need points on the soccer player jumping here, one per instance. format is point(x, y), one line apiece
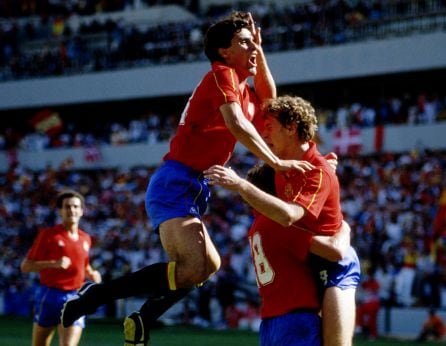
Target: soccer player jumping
point(220, 112)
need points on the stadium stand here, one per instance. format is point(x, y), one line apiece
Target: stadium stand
point(76, 41)
point(54, 128)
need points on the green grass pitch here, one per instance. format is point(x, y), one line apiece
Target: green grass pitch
point(17, 332)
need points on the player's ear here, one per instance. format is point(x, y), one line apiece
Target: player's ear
point(224, 53)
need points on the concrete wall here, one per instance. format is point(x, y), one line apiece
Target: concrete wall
point(415, 53)
point(404, 322)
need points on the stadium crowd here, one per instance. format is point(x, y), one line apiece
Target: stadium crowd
point(40, 38)
point(389, 200)
point(152, 127)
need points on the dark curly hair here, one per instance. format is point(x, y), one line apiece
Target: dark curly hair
point(220, 34)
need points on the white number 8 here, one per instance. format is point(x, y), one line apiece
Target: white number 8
point(264, 271)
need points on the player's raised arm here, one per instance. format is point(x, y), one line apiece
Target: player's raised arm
point(264, 83)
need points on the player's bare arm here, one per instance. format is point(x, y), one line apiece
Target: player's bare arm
point(332, 248)
point(245, 132)
point(93, 274)
point(272, 207)
point(28, 266)
point(264, 83)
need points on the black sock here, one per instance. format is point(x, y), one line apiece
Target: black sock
point(148, 280)
point(155, 306)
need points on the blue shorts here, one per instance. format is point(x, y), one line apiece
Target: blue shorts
point(343, 274)
point(175, 190)
point(48, 305)
point(292, 329)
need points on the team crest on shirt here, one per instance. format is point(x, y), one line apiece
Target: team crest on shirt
point(86, 246)
point(60, 243)
point(288, 190)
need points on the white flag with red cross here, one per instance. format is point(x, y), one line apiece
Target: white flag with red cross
point(347, 141)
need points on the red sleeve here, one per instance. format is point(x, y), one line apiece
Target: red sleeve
point(314, 191)
point(227, 83)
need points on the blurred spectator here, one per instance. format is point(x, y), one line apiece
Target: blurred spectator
point(385, 279)
point(427, 279)
point(405, 278)
point(433, 328)
point(368, 306)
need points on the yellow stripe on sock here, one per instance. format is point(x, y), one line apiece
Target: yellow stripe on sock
point(171, 275)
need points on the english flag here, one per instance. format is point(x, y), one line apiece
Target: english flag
point(379, 138)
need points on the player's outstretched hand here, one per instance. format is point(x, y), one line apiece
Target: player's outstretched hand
point(299, 165)
point(64, 262)
point(222, 176)
point(332, 159)
point(255, 30)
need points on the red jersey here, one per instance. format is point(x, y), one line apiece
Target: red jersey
point(317, 191)
point(202, 138)
point(53, 243)
point(284, 278)
point(436, 323)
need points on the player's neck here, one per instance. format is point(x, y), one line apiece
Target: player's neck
point(73, 230)
point(296, 151)
point(73, 235)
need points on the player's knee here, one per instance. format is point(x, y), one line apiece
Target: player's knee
point(214, 265)
point(209, 268)
point(196, 272)
point(194, 279)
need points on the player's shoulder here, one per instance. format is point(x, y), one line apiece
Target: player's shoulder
point(214, 79)
point(221, 72)
point(83, 234)
point(321, 164)
point(322, 174)
point(47, 233)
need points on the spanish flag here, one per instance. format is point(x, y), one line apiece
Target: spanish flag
point(48, 122)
